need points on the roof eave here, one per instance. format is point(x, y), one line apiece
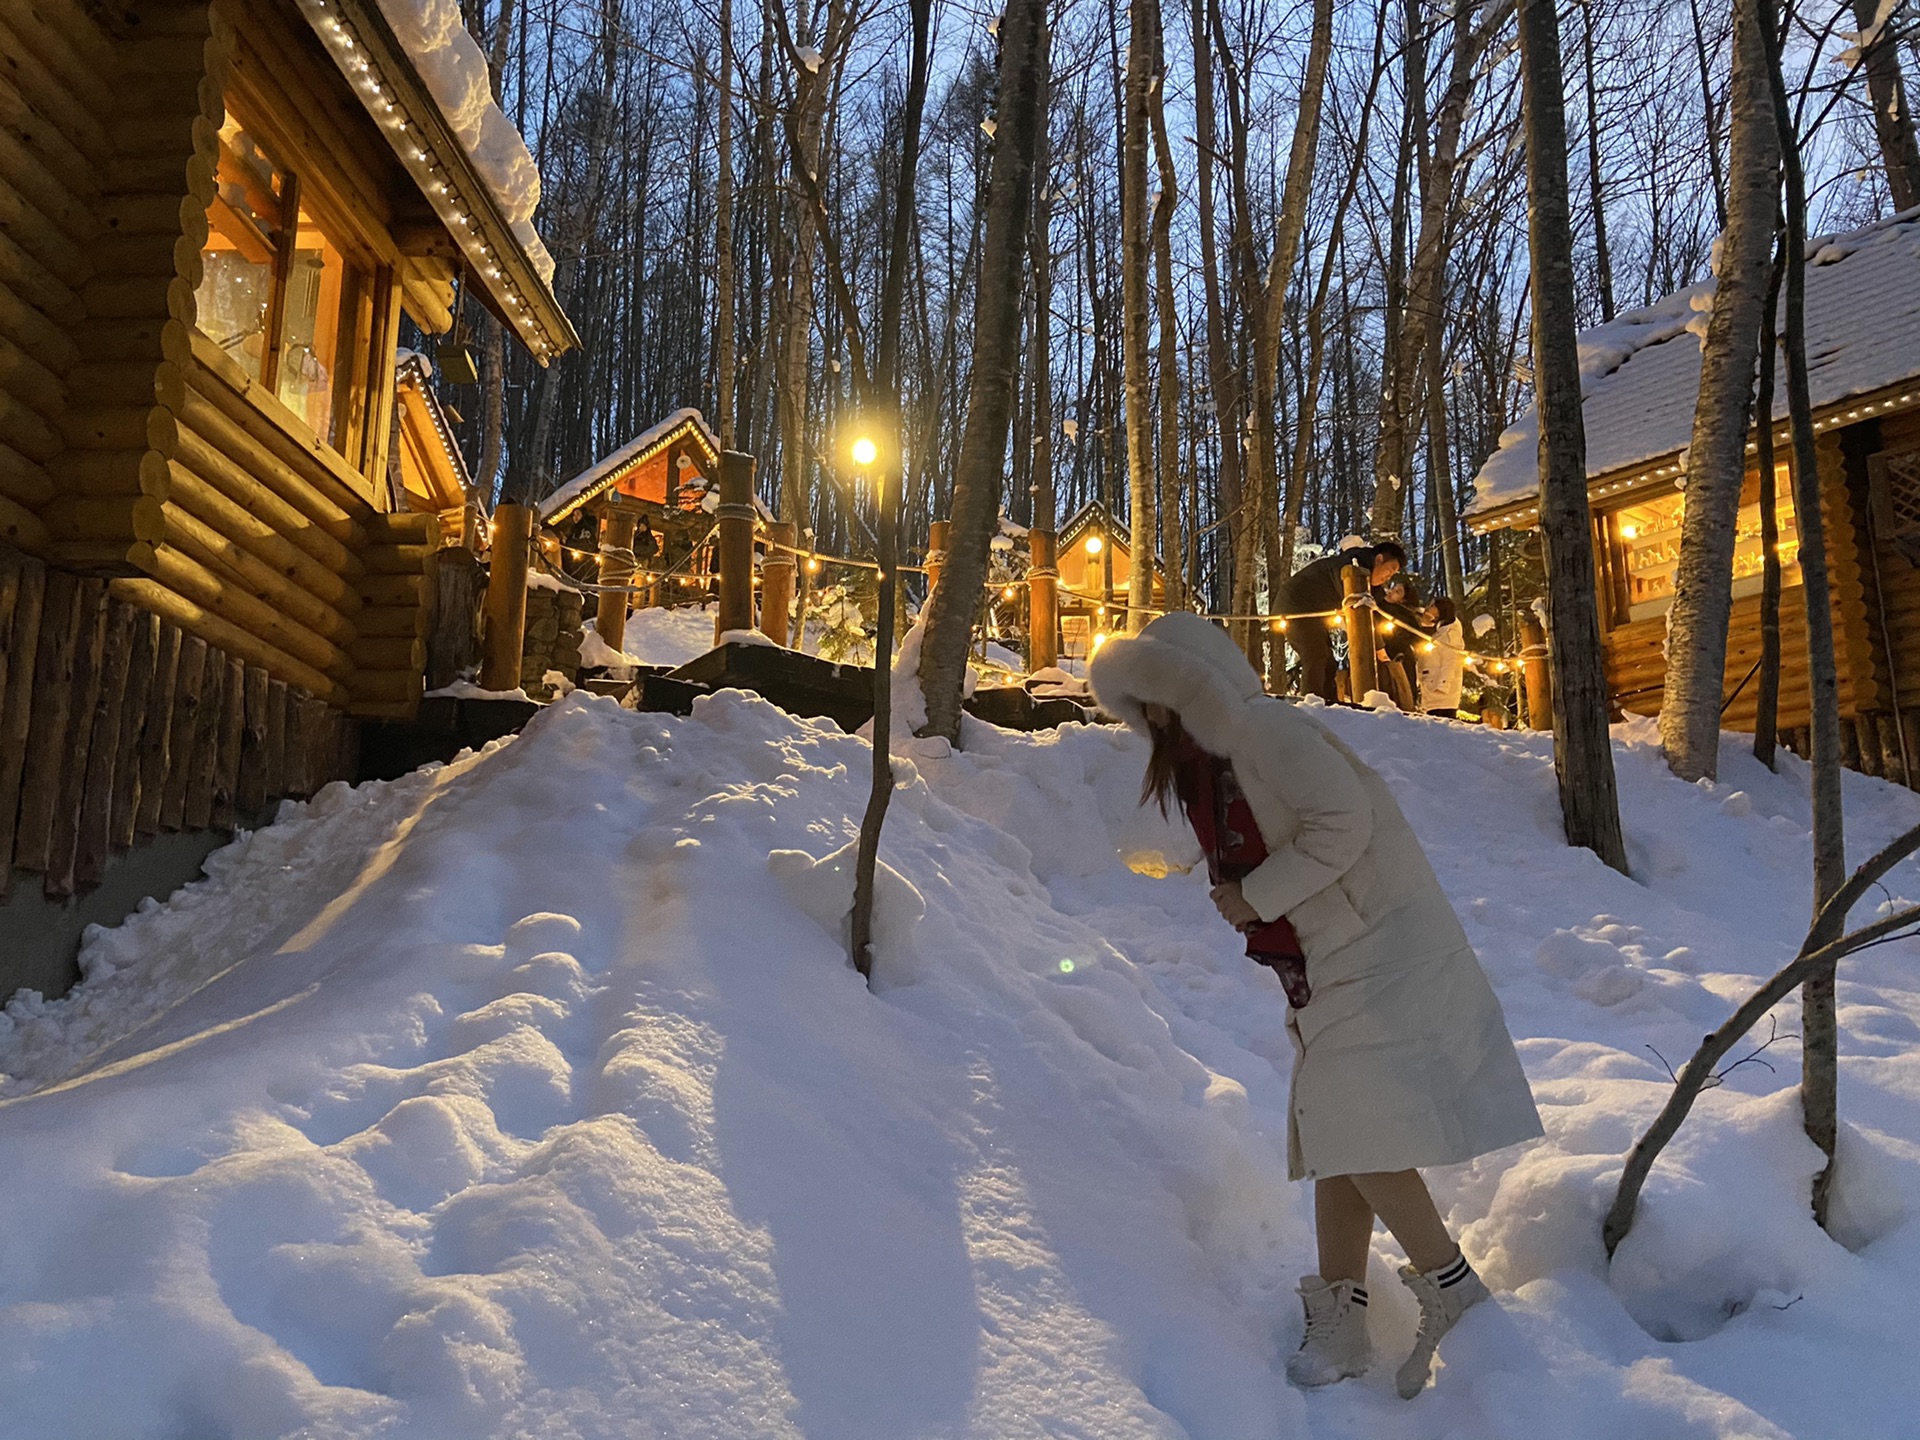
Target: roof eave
point(692, 426)
point(356, 35)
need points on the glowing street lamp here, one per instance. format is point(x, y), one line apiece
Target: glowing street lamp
point(1095, 544)
point(865, 452)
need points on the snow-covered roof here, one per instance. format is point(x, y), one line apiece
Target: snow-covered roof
point(421, 77)
point(687, 423)
point(1640, 372)
point(1094, 513)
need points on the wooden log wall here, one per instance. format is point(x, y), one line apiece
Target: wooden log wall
point(131, 448)
point(57, 86)
point(116, 725)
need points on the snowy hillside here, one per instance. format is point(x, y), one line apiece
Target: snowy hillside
point(523, 1097)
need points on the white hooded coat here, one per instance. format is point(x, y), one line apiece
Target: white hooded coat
point(1443, 669)
point(1402, 1057)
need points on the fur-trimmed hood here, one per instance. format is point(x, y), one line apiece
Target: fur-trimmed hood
point(1185, 663)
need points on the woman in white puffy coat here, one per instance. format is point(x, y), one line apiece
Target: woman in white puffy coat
point(1401, 1052)
point(1442, 661)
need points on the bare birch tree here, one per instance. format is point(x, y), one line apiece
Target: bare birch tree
point(1717, 455)
point(1819, 1024)
point(1892, 120)
point(980, 466)
point(1582, 748)
point(1134, 286)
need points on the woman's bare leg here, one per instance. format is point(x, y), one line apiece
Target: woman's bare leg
point(1343, 1227)
point(1401, 1199)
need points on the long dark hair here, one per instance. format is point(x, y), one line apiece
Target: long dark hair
point(1162, 782)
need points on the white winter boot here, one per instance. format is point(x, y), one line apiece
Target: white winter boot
point(1444, 1295)
point(1336, 1345)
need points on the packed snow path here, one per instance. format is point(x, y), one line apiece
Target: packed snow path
point(523, 1097)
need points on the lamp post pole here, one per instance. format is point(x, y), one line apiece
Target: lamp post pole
point(860, 937)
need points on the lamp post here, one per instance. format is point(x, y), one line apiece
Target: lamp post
point(866, 453)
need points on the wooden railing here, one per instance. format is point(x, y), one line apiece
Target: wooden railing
point(116, 724)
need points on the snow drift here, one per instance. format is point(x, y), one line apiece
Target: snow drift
point(533, 1094)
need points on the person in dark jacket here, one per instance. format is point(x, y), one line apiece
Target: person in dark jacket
point(1314, 589)
point(1398, 614)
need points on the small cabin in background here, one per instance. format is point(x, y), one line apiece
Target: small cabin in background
point(213, 215)
point(1095, 560)
point(1641, 376)
point(638, 518)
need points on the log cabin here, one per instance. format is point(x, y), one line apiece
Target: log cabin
point(1640, 380)
point(213, 216)
point(639, 517)
point(1095, 561)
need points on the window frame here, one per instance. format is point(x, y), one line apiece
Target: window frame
point(371, 320)
point(1617, 574)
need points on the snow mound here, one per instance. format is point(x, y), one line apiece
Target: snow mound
point(534, 1094)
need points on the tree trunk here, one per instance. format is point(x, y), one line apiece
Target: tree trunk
point(1711, 120)
point(996, 340)
point(1223, 375)
point(1294, 502)
point(493, 348)
point(1270, 317)
point(1767, 697)
point(1440, 469)
point(1134, 252)
point(1717, 454)
point(723, 350)
point(1040, 255)
point(1892, 121)
point(1390, 467)
point(1820, 1041)
point(1582, 750)
point(887, 381)
point(1172, 537)
point(1602, 255)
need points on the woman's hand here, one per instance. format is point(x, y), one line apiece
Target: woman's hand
point(1233, 906)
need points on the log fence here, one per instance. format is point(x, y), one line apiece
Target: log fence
point(116, 725)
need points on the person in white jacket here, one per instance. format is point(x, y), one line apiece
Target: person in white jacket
point(1442, 661)
point(1401, 1053)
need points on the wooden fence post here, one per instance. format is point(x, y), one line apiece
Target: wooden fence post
point(1361, 675)
point(1539, 675)
point(506, 599)
point(617, 527)
point(157, 740)
point(459, 590)
point(1043, 613)
point(938, 533)
point(776, 582)
point(735, 545)
point(23, 586)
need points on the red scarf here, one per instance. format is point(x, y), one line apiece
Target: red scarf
point(1230, 837)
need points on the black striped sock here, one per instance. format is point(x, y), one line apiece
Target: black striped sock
point(1454, 1273)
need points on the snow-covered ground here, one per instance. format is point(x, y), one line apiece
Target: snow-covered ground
point(522, 1096)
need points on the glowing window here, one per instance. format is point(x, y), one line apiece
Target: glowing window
point(277, 292)
point(1649, 536)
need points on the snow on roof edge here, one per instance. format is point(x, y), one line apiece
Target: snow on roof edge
point(585, 482)
point(456, 74)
